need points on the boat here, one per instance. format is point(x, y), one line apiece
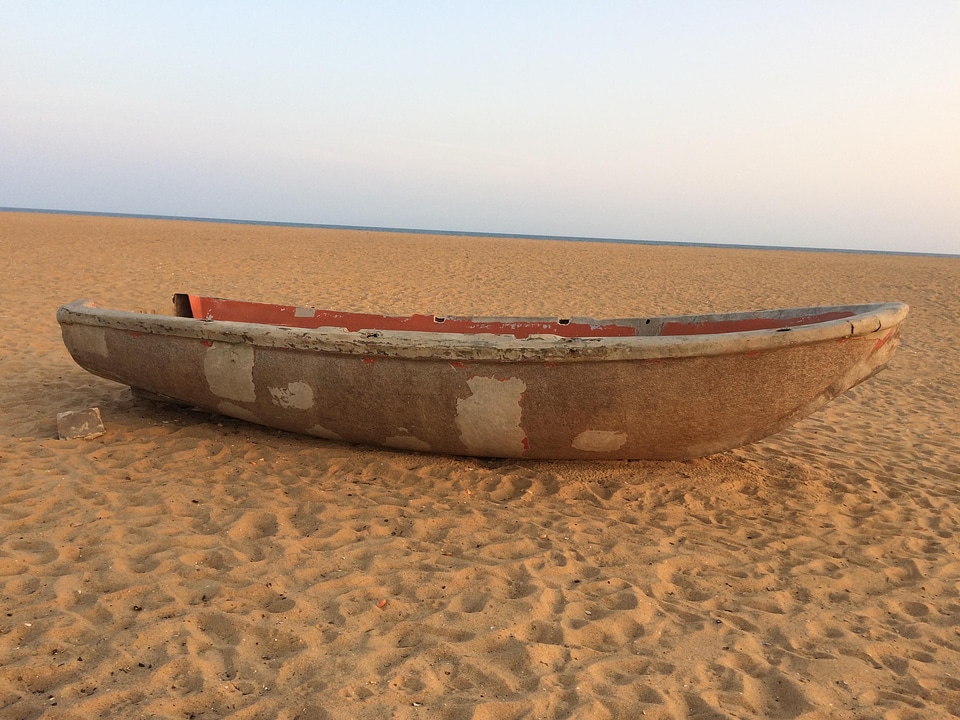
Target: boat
point(644, 388)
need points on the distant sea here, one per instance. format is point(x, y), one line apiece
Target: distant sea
point(466, 233)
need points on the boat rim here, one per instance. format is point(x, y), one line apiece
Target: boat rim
point(868, 319)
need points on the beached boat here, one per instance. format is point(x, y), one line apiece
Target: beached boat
point(642, 388)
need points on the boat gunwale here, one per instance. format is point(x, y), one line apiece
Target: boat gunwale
point(868, 319)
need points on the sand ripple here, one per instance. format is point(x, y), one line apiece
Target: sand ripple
point(186, 565)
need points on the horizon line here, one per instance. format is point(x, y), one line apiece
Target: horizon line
point(461, 233)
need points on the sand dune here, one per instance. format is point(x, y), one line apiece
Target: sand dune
point(188, 565)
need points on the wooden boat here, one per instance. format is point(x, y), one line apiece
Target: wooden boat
point(641, 388)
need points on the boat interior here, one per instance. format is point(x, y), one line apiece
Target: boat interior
point(221, 309)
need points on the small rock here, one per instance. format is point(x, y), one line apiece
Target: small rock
point(80, 424)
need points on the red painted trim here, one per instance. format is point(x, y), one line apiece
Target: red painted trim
point(206, 308)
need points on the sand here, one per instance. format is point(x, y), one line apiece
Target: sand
point(185, 565)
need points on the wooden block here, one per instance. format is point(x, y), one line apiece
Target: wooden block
point(80, 424)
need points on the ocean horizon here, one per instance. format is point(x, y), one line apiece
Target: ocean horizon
point(467, 233)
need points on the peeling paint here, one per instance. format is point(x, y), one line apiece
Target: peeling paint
point(489, 420)
point(296, 395)
point(600, 440)
point(883, 341)
point(228, 368)
point(407, 442)
point(90, 339)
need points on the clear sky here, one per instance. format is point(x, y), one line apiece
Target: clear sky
point(820, 124)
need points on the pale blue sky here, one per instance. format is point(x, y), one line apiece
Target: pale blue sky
point(819, 124)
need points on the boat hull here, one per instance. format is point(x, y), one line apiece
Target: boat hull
point(651, 398)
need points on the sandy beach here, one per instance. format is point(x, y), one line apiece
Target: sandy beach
point(185, 565)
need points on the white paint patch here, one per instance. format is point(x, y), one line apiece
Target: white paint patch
point(228, 368)
point(304, 312)
point(228, 408)
point(407, 442)
point(296, 395)
point(600, 440)
point(489, 420)
point(321, 432)
point(90, 340)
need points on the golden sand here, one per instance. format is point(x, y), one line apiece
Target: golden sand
point(187, 565)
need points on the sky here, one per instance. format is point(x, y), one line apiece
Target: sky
point(811, 124)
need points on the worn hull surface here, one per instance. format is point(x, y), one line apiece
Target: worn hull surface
point(678, 388)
